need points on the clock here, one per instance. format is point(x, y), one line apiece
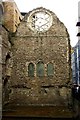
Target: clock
point(40, 20)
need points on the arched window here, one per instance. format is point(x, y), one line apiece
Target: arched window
point(40, 69)
point(31, 70)
point(50, 69)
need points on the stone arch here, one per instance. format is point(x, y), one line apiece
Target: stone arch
point(40, 69)
point(50, 69)
point(31, 69)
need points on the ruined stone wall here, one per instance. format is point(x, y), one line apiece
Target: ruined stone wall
point(1, 12)
point(6, 46)
point(10, 19)
point(12, 16)
point(52, 46)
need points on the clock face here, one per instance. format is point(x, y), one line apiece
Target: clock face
point(40, 21)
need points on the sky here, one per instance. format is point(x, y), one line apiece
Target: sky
point(66, 11)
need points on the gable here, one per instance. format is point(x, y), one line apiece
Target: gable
point(56, 27)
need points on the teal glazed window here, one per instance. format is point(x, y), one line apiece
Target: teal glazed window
point(40, 69)
point(50, 69)
point(31, 70)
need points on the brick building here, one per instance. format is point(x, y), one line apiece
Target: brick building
point(38, 70)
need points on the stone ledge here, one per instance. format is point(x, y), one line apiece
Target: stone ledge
point(37, 111)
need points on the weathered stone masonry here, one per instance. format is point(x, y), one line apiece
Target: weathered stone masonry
point(52, 46)
point(10, 18)
point(6, 48)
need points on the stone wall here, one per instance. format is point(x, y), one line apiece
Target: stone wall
point(10, 19)
point(1, 12)
point(52, 46)
point(6, 46)
point(12, 16)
